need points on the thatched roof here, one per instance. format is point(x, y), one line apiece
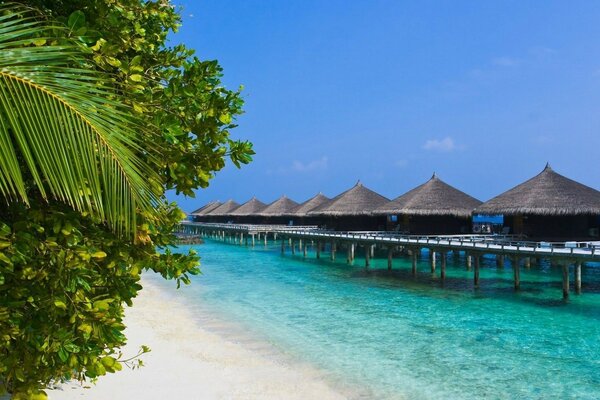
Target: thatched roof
point(358, 200)
point(251, 207)
point(310, 205)
point(224, 209)
point(206, 208)
point(547, 193)
point(434, 197)
point(280, 207)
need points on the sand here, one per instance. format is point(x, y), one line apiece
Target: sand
point(189, 361)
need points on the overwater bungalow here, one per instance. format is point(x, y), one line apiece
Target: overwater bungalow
point(279, 212)
point(431, 208)
point(301, 216)
point(199, 215)
point(248, 213)
point(352, 210)
point(548, 206)
point(222, 213)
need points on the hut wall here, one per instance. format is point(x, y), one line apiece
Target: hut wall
point(431, 225)
point(356, 223)
point(548, 227)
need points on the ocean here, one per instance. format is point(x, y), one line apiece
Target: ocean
point(396, 336)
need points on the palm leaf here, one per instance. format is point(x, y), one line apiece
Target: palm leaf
point(63, 128)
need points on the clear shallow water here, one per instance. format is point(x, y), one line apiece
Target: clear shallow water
point(401, 337)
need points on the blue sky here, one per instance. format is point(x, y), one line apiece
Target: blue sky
point(483, 93)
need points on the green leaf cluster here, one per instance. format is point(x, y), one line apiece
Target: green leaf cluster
point(100, 118)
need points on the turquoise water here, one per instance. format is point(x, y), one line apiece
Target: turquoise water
point(399, 337)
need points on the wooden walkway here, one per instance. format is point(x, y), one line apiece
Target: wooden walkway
point(474, 247)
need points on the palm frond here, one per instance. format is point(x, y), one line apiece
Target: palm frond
point(62, 126)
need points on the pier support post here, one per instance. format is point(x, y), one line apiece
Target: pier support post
point(349, 250)
point(318, 249)
point(293, 245)
point(565, 280)
point(469, 261)
point(367, 255)
point(578, 277)
point(333, 250)
point(500, 260)
point(304, 249)
point(282, 246)
point(253, 242)
point(443, 275)
point(414, 262)
point(372, 250)
point(476, 271)
point(517, 272)
point(432, 259)
point(527, 262)
point(390, 255)
point(266, 239)
point(352, 251)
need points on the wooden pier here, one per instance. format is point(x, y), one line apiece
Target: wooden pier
point(515, 249)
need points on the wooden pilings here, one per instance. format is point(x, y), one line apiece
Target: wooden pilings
point(476, 270)
point(318, 249)
point(432, 259)
point(516, 272)
point(367, 256)
point(414, 262)
point(390, 255)
point(443, 272)
point(565, 280)
point(578, 277)
point(350, 255)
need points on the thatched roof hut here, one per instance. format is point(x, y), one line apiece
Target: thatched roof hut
point(205, 208)
point(283, 206)
point(250, 208)
point(224, 209)
point(358, 200)
point(434, 197)
point(547, 193)
point(311, 204)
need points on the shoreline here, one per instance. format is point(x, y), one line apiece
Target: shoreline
point(189, 360)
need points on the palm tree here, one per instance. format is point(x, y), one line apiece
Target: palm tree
point(64, 133)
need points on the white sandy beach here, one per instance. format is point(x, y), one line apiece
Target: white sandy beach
point(190, 362)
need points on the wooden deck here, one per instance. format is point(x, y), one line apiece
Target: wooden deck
point(474, 246)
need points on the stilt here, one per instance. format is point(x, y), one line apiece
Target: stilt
point(352, 251)
point(333, 250)
point(527, 262)
point(432, 259)
point(578, 277)
point(318, 249)
point(293, 246)
point(304, 249)
point(246, 241)
point(500, 260)
point(266, 239)
point(367, 256)
point(253, 242)
point(372, 250)
point(476, 271)
point(469, 261)
point(414, 262)
point(390, 255)
point(443, 254)
point(282, 246)
point(517, 272)
point(565, 280)
point(349, 253)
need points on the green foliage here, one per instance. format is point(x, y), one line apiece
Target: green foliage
point(83, 150)
point(65, 271)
